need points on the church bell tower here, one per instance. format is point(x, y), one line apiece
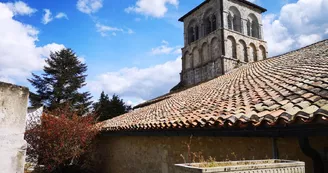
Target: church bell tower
point(219, 36)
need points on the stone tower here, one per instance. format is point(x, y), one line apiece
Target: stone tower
point(220, 35)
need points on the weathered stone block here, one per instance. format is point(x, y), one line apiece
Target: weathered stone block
point(13, 108)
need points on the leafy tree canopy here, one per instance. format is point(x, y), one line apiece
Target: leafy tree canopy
point(63, 77)
point(107, 108)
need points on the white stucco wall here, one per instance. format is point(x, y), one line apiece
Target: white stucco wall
point(13, 106)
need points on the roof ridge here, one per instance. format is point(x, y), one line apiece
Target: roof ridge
point(275, 91)
point(298, 49)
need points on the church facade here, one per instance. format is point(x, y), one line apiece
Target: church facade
point(219, 36)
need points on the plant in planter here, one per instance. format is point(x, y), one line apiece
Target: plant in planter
point(250, 166)
point(269, 166)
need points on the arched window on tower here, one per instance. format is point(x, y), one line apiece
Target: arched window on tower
point(263, 52)
point(248, 27)
point(196, 32)
point(210, 24)
point(191, 33)
point(235, 19)
point(243, 50)
point(253, 52)
point(255, 29)
point(230, 21)
point(213, 23)
point(207, 28)
point(231, 47)
point(254, 26)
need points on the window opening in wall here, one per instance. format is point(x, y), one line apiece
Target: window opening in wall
point(263, 52)
point(254, 52)
point(253, 27)
point(210, 24)
point(213, 23)
point(235, 19)
point(191, 34)
point(233, 48)
point(196, 33)
point(248, 28)
point(230, 21)
point(244, 50)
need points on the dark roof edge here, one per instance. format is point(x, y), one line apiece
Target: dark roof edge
point(280, 131)
point(206, 1)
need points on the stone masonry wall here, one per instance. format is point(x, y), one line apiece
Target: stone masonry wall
point(159, 154)
point(204, 59)
point(13, 107)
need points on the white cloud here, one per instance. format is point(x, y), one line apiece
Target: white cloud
point(81, 59)
point(61, 15)
point(326, 32)
point(304, 40)
point(165, 49)
point(154, 8)
point(277, 36)
point(20, 8)
point(134, 101)
point(298, 24)
point(47, 17)
point(19, 55)
point(130, 31)
point(89, 6)
point(141, 84)
point(105, 29)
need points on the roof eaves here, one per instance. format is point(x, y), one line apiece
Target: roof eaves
point(206, 1)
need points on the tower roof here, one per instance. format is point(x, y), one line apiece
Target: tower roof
point(206, 1)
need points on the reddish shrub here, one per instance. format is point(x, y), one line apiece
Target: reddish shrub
point(60, 139)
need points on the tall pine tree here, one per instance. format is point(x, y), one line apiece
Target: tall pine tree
point(63, 76)
point(107, 108)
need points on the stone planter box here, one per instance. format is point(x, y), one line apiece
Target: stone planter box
point(252, 166)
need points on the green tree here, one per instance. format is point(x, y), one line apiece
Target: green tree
point(63, 76)
point(107, 108)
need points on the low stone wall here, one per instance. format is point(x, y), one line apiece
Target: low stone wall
point(159, 154)
point(13, 107)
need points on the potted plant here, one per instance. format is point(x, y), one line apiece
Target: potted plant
point(252, 166)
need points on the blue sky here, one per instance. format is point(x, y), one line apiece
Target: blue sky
point(131, 47)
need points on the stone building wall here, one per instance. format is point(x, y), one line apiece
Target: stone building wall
point(242, 49)
point(13, 107)
point(245, 10)
point(203, 57)
point(198, 17)
point(142, 154)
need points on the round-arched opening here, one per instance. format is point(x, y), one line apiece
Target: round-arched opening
point(234, 19)
point(263, 52)
point(243, 50)
point(253, 27)
point(193, 31)
point(253, 53)
point(231, 47)
point(209, 21)
point(205, 55)
point(187, 61)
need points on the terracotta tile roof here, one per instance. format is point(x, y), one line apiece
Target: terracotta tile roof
point(287, 89)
